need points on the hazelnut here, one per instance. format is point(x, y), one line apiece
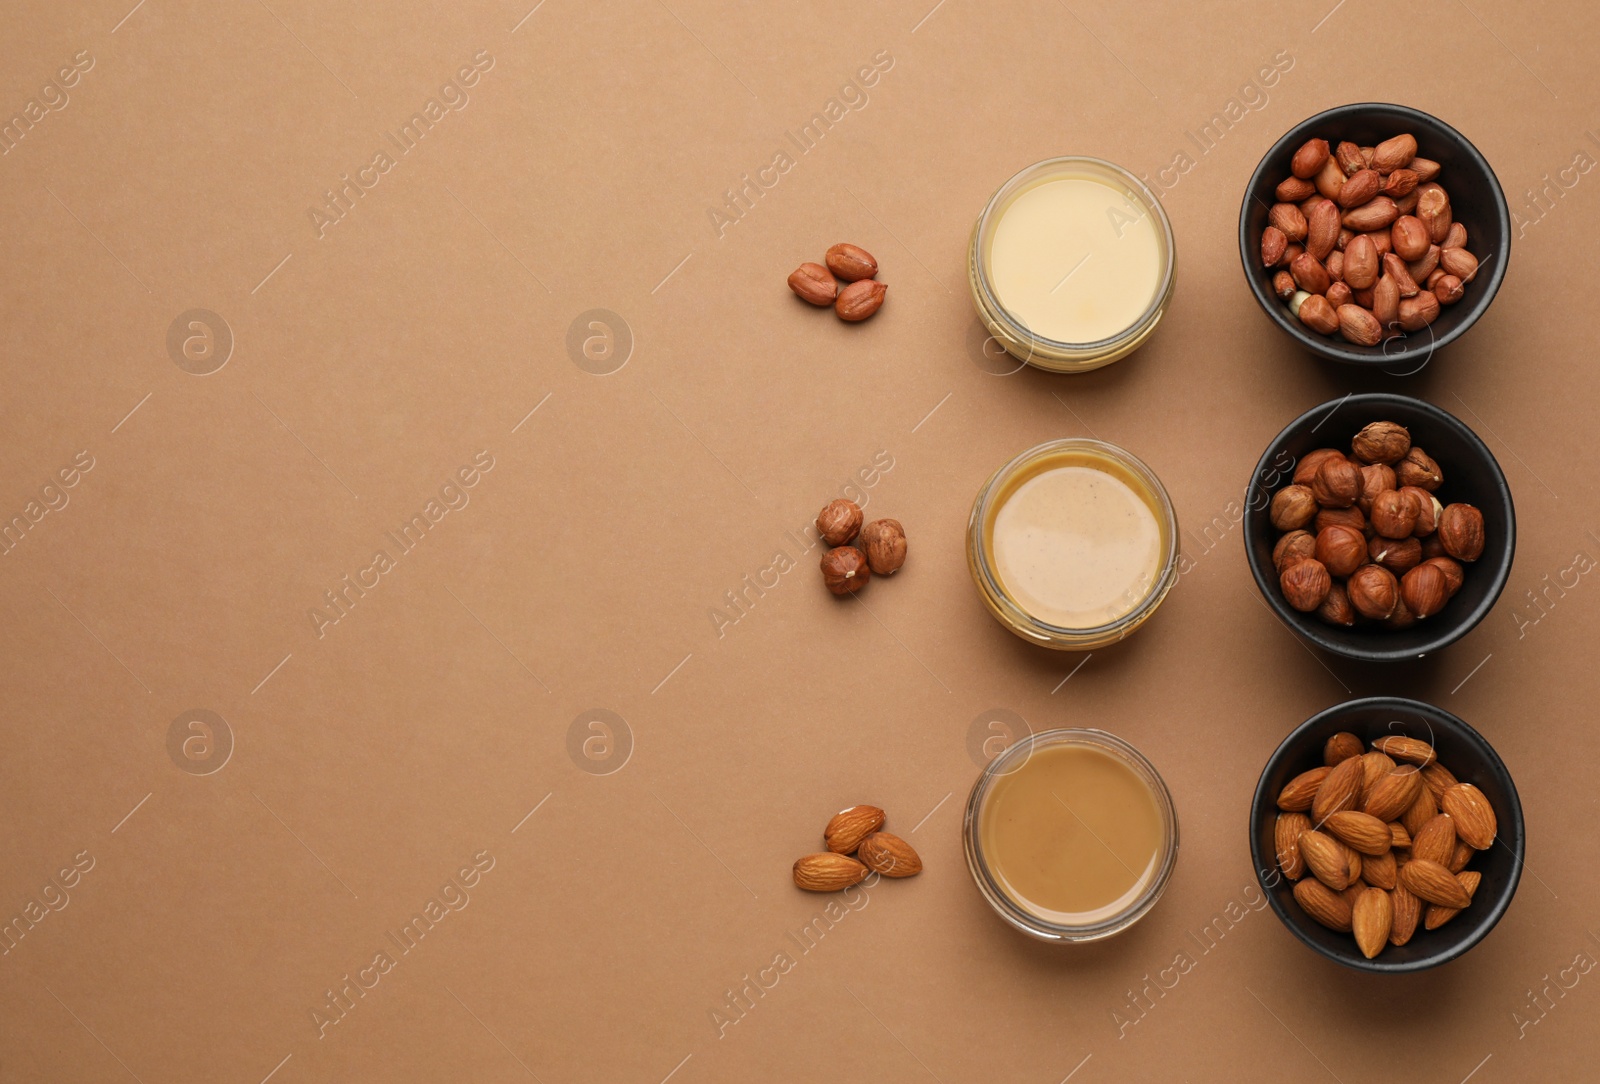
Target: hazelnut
point(1424, 590)
point(1305, 584)
point(1428, 510)
point(1432, 547)
point(1381, 442)
point(839, 521)
point(1339, 517)
point(1341, 550)
point(1454, 574)
point(1306, 469)
point(1418, 469)
point(1294, 546)
point(1336, 610)
point(1394, 513)
point(1374, 592)
point(1337, 482)
point(1402, 618)
point(1398, 555)
point(845, 570)
point(1375, 478)
point(1461, 532)
point(1292, 508)
point(885, 543)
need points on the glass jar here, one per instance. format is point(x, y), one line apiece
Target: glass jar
point(1136, 249)
point(986, 867)
point(1140, 596)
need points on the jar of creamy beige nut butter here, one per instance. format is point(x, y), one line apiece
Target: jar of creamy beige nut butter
point(1073, 544)
point(1071, 264)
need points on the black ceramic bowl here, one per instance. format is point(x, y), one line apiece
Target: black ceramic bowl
point(1476, 201)
point(1471, 475)
point(1469, 758)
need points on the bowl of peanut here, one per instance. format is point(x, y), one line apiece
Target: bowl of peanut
point(1374, 234)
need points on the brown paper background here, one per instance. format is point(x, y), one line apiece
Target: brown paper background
point(369, 364)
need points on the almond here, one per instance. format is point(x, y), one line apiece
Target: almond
point(1425, 808)
point(889, 855)
point(1433, 883)
point(1399, 836)
point(860, 300)
point(1296, 796)
point(1377, 213)
point(814, 283)
point(1309, 158)
point(1322, 229)
point(1341, 746)
point(1286, 842)
point(1393, 794)
point(1435, 840)
point(1361, 831)
point(1323, 904)
point(1474, 816)
point(1407, 910)
point(849, 827)
point(1437, 916)
point(1395, 153)
point(1380, 870)
point(1438, 778)
point(1340, 790)
point(828, 872)
point(1463, 855)
point(851, 262)
point(1375, 765)
point(1371, 920)
point(1359, 326)
point(1359, 188)
point(1410, 750)
point(1327, 859)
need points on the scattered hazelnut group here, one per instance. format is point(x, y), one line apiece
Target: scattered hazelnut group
point(856, 832)
point(862, 295)
point(1380, 840)
point(1364, 241)
point(879, 547)
point(1364, 536)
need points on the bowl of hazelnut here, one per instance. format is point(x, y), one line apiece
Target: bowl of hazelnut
point(1387, 835)
point(1379, 527)
point(1374, 234)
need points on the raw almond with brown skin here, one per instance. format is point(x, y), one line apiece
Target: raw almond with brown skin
point(1327, 859)
point(1323, 904)
point(1371, 920)
point(1437, 916)
point(1341, 790)
point(1379, 870)
point(1340, 747)
point(814, 283)
point(1435, 840)
point(1297, 794)
point(859, 300)
point(1375, 766)
point(828, 872)
point(851, 262)
point(1361, 831)
point(849, 827)
point(1286, 843)
point(1421, 811)
point(1438, 778)
point(1409, 749)
point(1463, 855)
point(1474, 816)
point(1407, 912)
point(1393, 794)
point(1433, 883)
point(889, 855)
point(1399, 837)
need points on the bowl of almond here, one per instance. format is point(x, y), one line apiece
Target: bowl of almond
point(1387, 835)
point(1379, 527)
point(1374, 234)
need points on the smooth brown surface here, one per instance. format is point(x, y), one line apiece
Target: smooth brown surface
point(443, 716)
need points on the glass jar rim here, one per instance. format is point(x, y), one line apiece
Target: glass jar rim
point(1003, 902)
point(989, 218)
point(1165, 514)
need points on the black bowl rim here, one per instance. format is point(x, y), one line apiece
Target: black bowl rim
point(1303, 625)
point(1511, 823)
point(1334, 349)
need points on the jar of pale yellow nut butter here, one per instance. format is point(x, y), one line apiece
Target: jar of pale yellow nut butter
point(1073, 544)
point(1071, 264)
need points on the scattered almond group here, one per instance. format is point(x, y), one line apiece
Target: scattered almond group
point(862, 294)
point(857, 846)
point(858, 552)
point(1364, 241)
point(1385, 844)
point(1365, 538)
